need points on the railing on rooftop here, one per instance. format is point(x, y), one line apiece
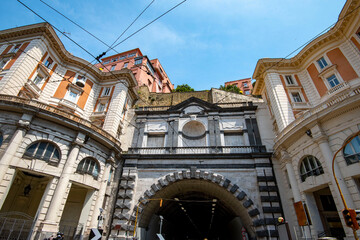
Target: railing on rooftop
point(60, 112)
point(198, 150)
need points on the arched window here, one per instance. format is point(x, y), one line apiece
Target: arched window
point(352, 151)
point(89, 166)
point(310, 166)
point(43, 150)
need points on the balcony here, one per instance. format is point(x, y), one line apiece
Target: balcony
point(66, 103)
point(97, 115)
point(199, 150)
point(338, 88)
point(33, 88)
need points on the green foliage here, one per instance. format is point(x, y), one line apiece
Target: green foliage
point(183, 88)
point(231, 88)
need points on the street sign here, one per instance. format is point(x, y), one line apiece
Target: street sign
point(160, 236)
point(95, 234)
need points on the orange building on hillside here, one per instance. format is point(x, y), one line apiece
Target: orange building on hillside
point(147, 72)
point(244, 84)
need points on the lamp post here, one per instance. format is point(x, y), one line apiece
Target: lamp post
point(337, 183)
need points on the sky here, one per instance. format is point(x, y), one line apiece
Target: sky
point(202, 43)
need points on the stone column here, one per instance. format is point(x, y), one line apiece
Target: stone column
point(293, 182)
point(50, 223)
point(101, 192)
point(14, 144)
point(322, 140)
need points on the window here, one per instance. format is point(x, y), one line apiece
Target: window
point(43, 150)
point(138, 61)
point(3, 62)
point(114, 59)
point(247, 92)
point(15, 49)
point(333, 81)
point(48, 62)
point(322, 63)
point(71, 96)
point(122, 57)
point(101, 107)
point(289, 80)
point(125, 65)
point(132, 55)
point(107, 61)
point(107, 91)
point(150, 68)
point(245, 84)
point(88, 166)
point(352, 151)
point(296, 97)
point(155, 140)
point(38, 79)
point(1, 139)
point(112, 67)
point(310, 166)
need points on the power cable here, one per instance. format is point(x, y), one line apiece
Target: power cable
point(78, 25)
point(130, 25)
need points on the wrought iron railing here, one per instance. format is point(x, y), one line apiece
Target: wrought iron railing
point(198, 150)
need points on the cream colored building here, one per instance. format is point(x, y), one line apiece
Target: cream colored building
point(61, 123)
point(314, 101)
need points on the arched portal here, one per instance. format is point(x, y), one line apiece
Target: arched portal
point(196, 205)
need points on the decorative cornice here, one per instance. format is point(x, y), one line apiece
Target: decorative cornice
point(45, 30)
point(337, 32)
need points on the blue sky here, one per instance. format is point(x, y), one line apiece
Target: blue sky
point(203, 43)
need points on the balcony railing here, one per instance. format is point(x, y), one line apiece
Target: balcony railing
point(341, 86)
point(198, 150)
point(313, 111)
point(60, 112)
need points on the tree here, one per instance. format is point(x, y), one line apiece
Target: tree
point(231, 88)
point(183, 88)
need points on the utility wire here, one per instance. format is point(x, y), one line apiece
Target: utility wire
point(78, 26)
point(130, 25)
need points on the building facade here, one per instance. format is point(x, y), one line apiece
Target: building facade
point(245, 85)
point(314, 101)
point(147, 72)
point(199, 165)
point(61, 123)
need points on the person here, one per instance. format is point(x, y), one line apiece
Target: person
point(59, 236)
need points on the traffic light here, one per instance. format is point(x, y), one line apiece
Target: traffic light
point(350, 218)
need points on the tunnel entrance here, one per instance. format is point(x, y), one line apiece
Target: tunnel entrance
point(194, 209)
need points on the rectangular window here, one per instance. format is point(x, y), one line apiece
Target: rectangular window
point(112, 67)
point(48, 62)
point(150, 68)
point(107, 61)
point(101, 107)
point(114, 59)
point(296, 97)
point(132, 55)
point(138, 61)
point(122, 57)
point(3, 62)
point(289, 80)
point(245, 84)
point(38, 79)
point(125, 65)
point(71, 96)
point(155, 140)
point(247, 92)
point(333, 81)
point(107, 91)
point(322, 62)
point(15, 49)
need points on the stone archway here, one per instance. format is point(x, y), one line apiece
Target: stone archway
point(232, 201)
